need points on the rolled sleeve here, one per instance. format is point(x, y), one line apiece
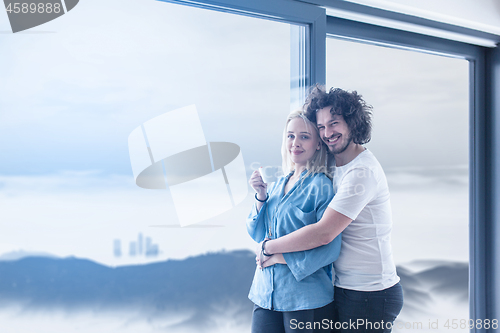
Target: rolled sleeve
point(256, 224)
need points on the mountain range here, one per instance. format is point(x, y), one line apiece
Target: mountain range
point(197, 286)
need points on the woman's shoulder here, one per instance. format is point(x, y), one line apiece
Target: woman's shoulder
point(320, 177)
point(320, 181)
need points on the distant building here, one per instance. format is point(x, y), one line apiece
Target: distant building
point(152, 250)
point(132, 249)
point(139, 244)
point(117, 248)
point(143, 246)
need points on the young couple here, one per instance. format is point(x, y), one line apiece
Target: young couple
point(332, 206)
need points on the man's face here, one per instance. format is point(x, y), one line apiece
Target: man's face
point(333, 130)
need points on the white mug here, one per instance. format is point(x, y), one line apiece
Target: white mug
point(270, 174)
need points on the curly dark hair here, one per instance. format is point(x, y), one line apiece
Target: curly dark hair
point(350, 105)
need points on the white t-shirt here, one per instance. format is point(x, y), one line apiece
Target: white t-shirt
point(361, 193)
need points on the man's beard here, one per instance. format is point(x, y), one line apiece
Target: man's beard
point(341, 149)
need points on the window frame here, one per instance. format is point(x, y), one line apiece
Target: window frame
point(484, 111)
point(287, 11)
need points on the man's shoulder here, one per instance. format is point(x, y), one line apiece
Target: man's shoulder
point(371, 163)
point(367, 159)
point(365, 162)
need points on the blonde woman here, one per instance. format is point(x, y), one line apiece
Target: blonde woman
point(295, 293)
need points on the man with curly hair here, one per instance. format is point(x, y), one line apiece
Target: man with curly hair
point(368, 296)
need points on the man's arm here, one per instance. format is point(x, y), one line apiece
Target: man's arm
point(357, 189)
point(310, 236)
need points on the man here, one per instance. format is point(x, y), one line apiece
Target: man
point(368, 296)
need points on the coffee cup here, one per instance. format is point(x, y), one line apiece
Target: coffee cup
point(270, 174)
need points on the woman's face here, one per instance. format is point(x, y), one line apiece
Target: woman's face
point(302, 141)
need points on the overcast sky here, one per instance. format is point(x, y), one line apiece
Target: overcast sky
point(420, 101)
point(73, 89)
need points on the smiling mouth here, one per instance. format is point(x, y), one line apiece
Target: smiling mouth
point(296, 152)
point(334, 139)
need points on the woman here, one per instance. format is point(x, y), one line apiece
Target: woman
point(295, 294)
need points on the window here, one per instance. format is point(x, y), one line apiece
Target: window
point(420, 136)
point(483, 104)
point(72, 99)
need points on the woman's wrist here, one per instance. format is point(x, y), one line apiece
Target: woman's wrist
point(264, 252)
point(268, 247)
point(262, 197)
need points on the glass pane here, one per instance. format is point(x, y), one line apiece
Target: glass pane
point(72, 94)
point(420, 137)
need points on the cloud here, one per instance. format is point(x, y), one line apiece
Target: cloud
point(82, 213)
point(69, 99)
point(426, 178)
point(420, 101)
point(430, 210)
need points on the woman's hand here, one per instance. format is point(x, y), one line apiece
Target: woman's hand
point(258, 185)
point(272, 260)
point(259, 256)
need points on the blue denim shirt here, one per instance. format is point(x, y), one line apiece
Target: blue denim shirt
point(305, 282)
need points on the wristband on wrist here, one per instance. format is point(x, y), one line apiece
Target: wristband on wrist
point(267, 197)
point(264, 250)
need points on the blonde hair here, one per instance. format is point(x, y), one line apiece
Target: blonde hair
point(317, 163)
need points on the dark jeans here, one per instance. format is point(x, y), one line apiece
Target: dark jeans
point(367, 311)
point(303, 321)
